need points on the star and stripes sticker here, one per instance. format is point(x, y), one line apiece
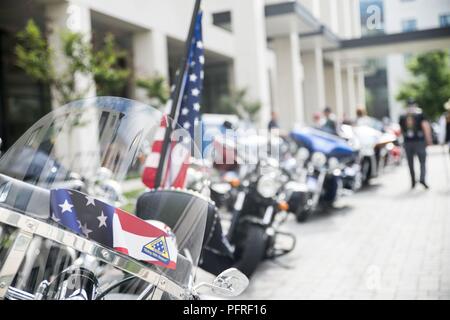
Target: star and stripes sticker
point(149, 241)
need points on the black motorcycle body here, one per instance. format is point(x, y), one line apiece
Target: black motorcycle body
point(330, 170)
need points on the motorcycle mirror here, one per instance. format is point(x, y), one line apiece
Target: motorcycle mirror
point(230, 283)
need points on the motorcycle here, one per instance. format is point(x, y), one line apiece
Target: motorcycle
point(254, 230)
point(331, 170)
point(394, 151)
point(375, 147)
point(255, 199)
point(83, 248)
point(365, 139)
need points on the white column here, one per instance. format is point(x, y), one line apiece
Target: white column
point(361, 88)
point(338, 87)
point(61, 17)
point(251, 67)
point(77, 146)
point(351, 92)
point(356, 19)
point(344, 9)
point(396, 75)
point(289, 78)
point(344, 91)
point(330, 90)
point(320, 76)
point(151, 57)
point(329, 15)
point(314, 82)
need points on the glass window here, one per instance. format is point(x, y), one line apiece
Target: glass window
point(444, 20)
point(409, 25)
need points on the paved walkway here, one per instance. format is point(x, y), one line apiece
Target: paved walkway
point(386, 242)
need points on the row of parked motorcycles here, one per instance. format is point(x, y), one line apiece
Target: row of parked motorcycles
point(310, 171)
point(227, 220)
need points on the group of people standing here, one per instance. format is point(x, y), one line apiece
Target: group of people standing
point(415, 127)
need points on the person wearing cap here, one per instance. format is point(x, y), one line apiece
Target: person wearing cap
point(330, 124)
point(273, 123)
point(444, 126)
point(416, 133)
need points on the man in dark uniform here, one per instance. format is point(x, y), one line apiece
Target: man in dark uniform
point(416, 132)
point(273, 123)
point(330, 124)
point(444, 123)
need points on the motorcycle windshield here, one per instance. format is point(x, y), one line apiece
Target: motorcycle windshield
point(96, 149)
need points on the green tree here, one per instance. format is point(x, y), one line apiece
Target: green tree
point(431, 84)
point(33, 53)
point(237, 103)
point(109, 76)
point(35, 56)
point(156, 88)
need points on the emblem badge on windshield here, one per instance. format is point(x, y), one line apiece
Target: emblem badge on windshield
point(157, 249)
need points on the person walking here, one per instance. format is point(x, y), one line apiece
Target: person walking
point(416, 133)
point(273, 123)
point(330, 124)
point(444, 126)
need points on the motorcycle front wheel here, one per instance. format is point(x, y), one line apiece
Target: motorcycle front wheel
point(302, 215)
point(253, 251)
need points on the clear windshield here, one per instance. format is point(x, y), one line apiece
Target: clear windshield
point(99, 147)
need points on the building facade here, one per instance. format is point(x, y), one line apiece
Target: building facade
point(288, 55)
point(273, 49)
point(409, 16)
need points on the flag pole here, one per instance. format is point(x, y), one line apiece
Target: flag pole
point(176, 98)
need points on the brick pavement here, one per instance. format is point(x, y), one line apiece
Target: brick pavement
point(386, 242)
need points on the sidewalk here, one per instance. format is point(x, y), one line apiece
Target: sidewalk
point(386, 242)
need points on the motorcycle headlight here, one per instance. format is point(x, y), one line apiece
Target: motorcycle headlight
point(319, 159)
point(303, 154)
point(267, 186)
point(333, 163)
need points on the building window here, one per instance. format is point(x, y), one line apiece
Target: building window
point(444, 20)
point(409, 25)
point(223, 20)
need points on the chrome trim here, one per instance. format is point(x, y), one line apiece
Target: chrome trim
point(16, 294)
point(239, 201)
point(268, 215)
point(13, 261)
point(32, 226)
point(159, 290)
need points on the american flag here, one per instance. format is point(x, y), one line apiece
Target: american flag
point(148, 241)
point(188, 117)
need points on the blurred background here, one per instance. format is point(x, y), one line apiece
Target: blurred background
point(292, 57)
point(297, 63)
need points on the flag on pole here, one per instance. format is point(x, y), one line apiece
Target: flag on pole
point(149, 241)
point(188, 117)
